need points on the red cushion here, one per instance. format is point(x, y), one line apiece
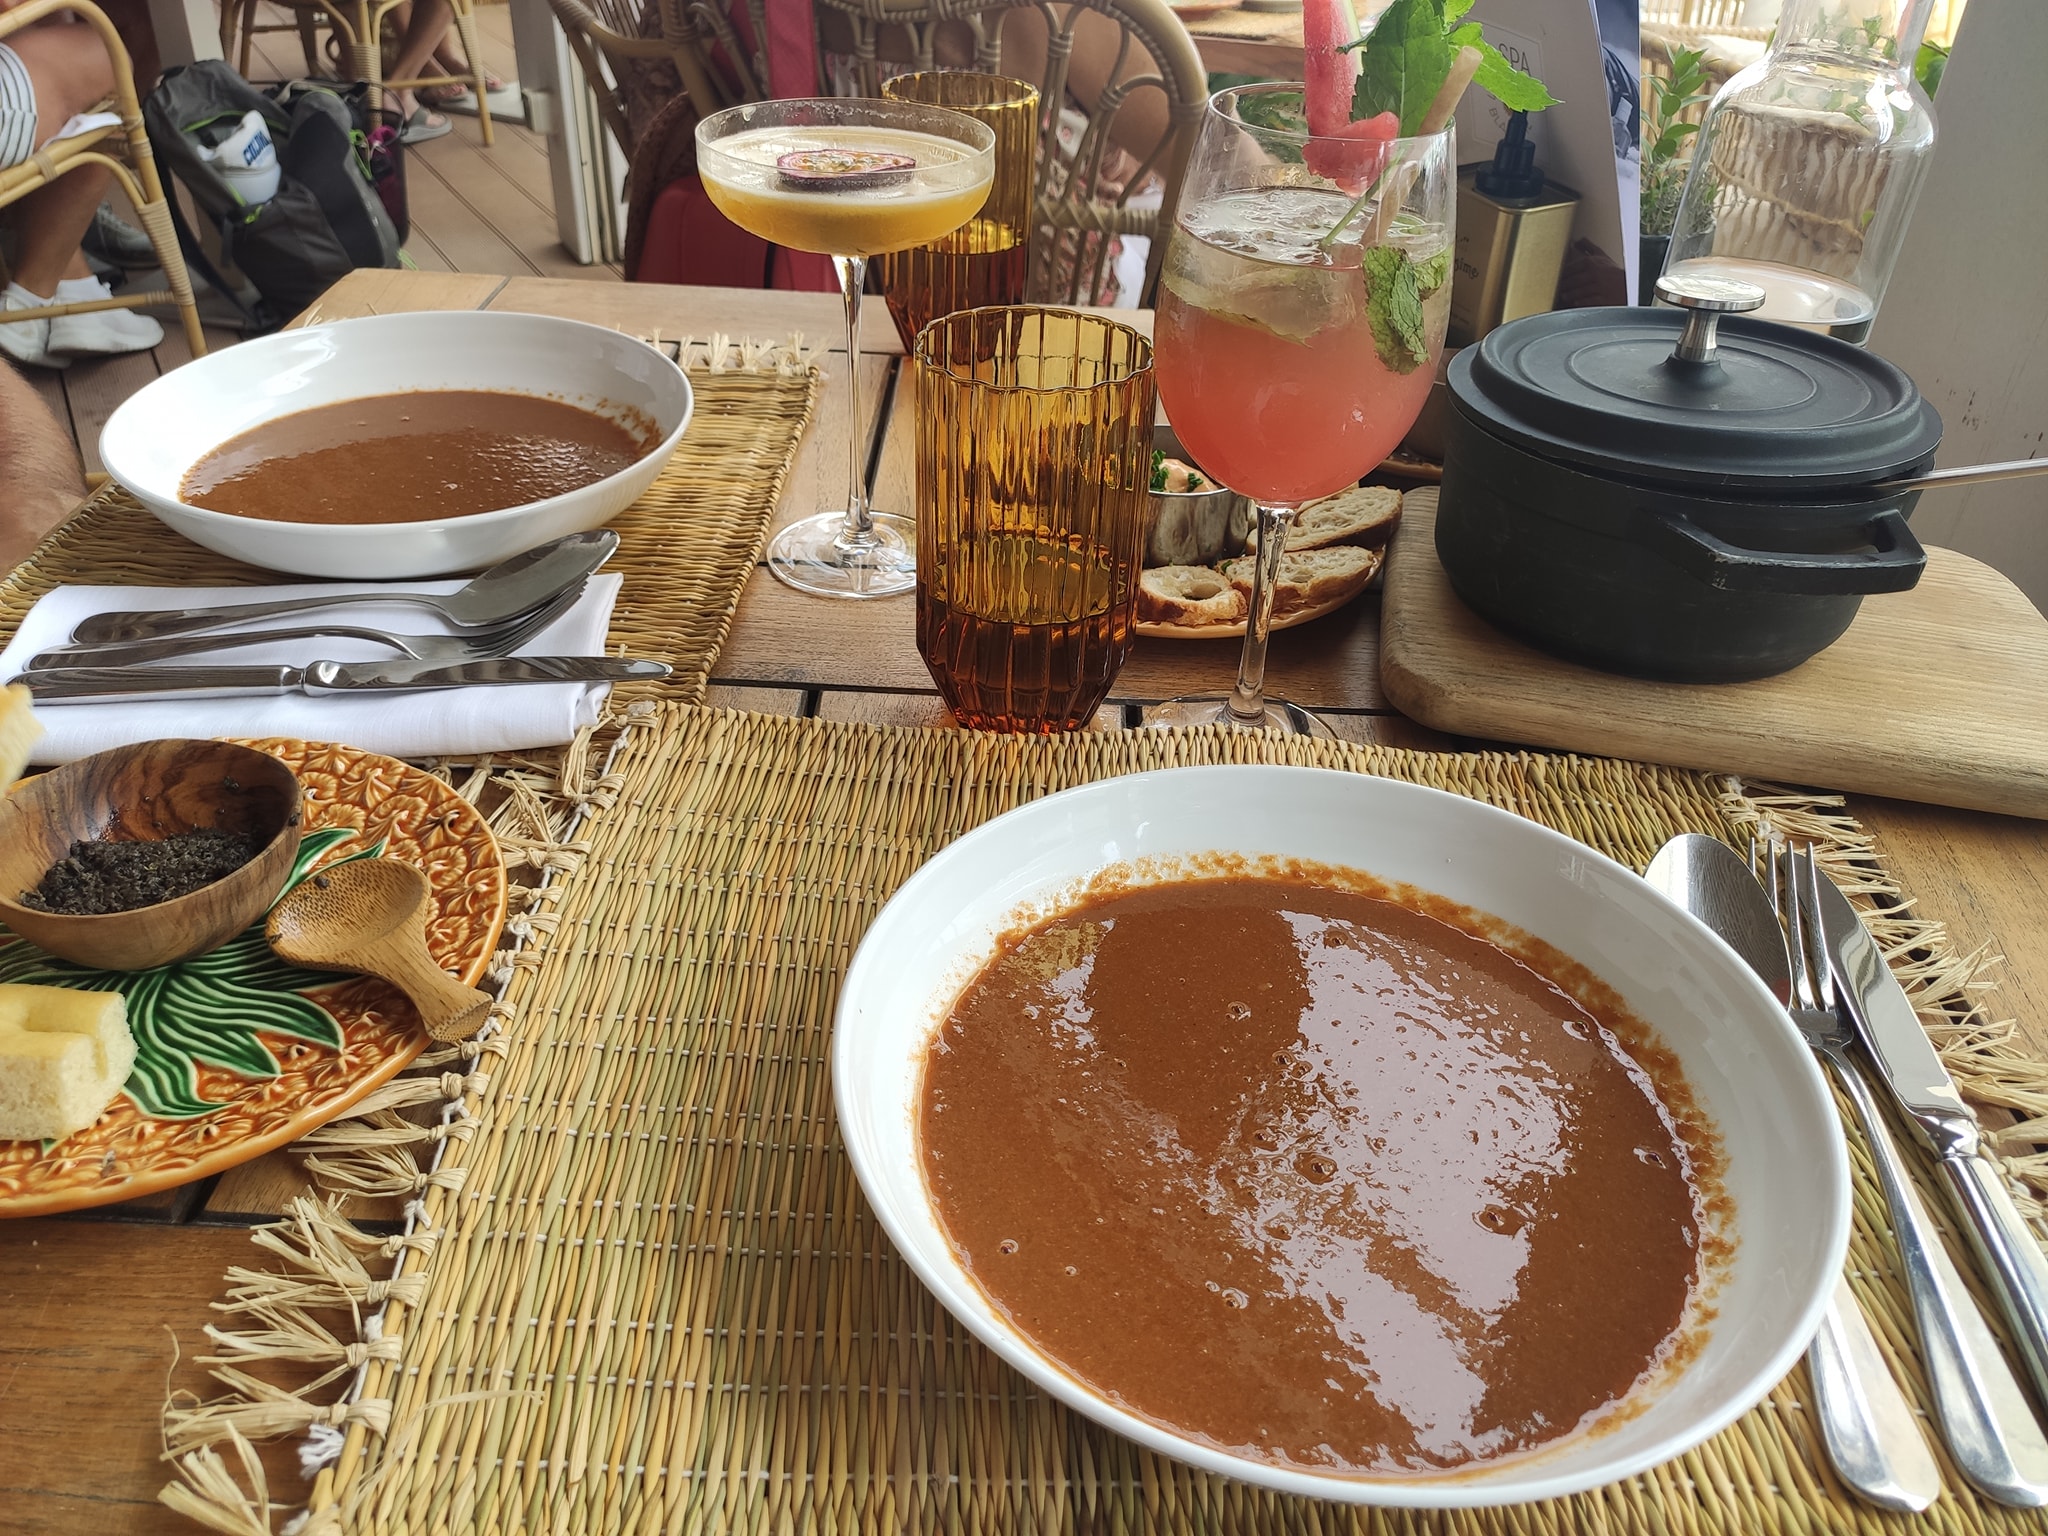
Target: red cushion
point(690, 241)
point(804, 272)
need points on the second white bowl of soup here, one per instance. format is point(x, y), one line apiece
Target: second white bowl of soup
point(398, 446)
point(1340, 1135)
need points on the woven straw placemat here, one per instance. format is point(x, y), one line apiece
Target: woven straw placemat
point(686, 547)
point(643, 1292)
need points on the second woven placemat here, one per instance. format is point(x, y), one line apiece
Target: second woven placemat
point(686, 547)
point(653, 1298)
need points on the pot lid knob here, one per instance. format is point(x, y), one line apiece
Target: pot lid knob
point(1705, 299)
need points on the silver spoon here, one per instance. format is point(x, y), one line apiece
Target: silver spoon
point(501, 594)
point(1865, 1421)
point(1962, 474)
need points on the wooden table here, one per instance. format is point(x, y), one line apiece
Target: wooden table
point(90, 1305)
point(1263, 44)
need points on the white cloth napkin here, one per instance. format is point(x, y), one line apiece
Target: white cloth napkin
point(446, 722)
point(82, 124)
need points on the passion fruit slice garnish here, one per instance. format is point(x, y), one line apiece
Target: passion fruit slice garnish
point(841, 170)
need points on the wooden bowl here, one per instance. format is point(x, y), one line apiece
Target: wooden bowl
point(152, 790)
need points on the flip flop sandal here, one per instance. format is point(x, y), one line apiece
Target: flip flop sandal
point(506, 100)
point(421, 127)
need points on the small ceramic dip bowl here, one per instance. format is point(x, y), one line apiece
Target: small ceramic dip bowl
point(141, 793)
point(1194, 527)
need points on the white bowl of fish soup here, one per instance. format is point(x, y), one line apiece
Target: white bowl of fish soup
point(367, 446)
point(1443, 1383)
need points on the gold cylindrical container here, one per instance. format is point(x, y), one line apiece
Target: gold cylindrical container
point(1034, 458)
point(984, 261)
point(1508, 255)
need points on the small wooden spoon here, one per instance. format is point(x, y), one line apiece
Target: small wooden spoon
point(370, 916)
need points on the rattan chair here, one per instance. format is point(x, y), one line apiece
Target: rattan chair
point(306, 20)
point(123, 151)
point(653, 50)
point(358, 27)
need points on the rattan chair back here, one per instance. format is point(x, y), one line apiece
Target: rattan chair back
point(651, 50)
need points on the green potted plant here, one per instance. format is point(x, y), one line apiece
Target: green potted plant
point(1666, 159)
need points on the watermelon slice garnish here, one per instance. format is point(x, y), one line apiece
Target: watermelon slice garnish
point(1353, 154)
point(1329, 76)
point(841, 170)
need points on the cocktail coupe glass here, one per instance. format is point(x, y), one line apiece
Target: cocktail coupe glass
point(850, 179)
point(1301, 314)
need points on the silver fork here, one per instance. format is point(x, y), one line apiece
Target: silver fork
point(476, 644)
point(1983, 1413)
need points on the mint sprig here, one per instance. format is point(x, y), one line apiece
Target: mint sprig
point(1511, 87)
point(1408, 55)
point(1394, 290)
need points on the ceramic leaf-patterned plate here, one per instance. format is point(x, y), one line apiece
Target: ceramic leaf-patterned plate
point(237, 1052)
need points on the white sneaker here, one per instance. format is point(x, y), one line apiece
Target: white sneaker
point(104, 332)
point(27, 341)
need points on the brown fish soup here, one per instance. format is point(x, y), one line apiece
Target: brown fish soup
point(412, 457)
point(1317, 1177)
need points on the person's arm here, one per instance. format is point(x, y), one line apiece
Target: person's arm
point(40, 481)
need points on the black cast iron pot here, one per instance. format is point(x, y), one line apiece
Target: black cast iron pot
point(1693, 505)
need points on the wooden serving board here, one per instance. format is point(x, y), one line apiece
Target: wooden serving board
point(1939, 694)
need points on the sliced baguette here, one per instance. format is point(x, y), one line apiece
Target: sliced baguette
point(1310, 578)
point(1188, 594)
point(20, 730)
point(1363, 517)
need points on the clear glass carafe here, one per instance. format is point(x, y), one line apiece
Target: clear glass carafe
point(1809, 162)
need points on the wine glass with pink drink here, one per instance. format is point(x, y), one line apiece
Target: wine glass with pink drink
point(1301, 313)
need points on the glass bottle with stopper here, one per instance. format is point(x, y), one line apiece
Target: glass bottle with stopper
point(1809, 162)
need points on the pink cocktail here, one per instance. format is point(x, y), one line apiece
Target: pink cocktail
point(1277, 419)
point(1299, 323)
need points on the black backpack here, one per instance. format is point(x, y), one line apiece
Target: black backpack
point(326, 218)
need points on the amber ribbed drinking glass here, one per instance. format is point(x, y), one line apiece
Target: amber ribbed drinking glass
point(1034, 457)
point(984, 261)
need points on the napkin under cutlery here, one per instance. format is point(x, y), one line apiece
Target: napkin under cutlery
point(446, 722)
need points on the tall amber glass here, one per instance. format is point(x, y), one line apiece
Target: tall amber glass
point(983, 262)
point(1034, 458)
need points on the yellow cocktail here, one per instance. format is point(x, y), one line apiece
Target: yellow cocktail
point(850, 179)
point(846, 192)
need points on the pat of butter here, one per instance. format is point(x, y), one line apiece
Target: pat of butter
point(64, 1054)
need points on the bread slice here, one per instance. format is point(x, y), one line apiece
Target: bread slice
point(20, 730)
point(1188, 595)
point(64, 1054)
point(1363, 517)
point(1310, 578)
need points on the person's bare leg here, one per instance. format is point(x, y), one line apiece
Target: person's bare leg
point(54, 220)
point(69, 70)
point(426, 26)
point(38, 465)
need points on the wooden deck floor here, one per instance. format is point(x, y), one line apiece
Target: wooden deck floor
point(472, 210)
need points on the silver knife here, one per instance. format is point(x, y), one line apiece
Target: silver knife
point(325, 678)
point(2005, 1246)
